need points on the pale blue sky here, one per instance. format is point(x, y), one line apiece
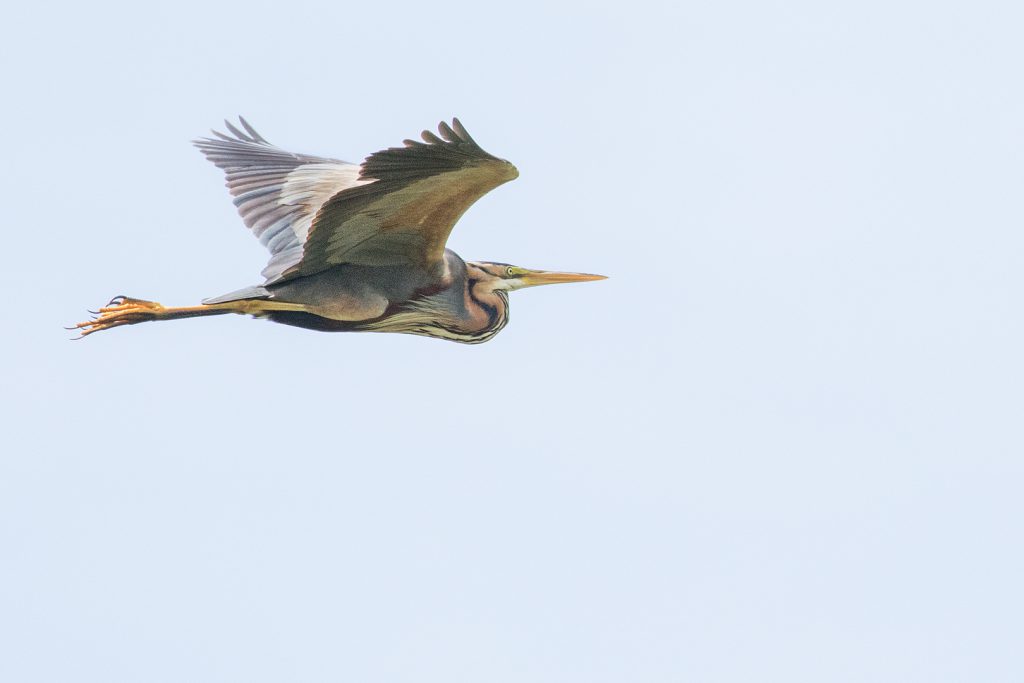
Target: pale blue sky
point(783, 442)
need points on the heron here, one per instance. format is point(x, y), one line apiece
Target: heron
point(358, 247)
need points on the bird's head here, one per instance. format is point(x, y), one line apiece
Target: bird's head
point(506, 277)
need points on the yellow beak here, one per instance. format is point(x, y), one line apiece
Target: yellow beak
point(543, 277)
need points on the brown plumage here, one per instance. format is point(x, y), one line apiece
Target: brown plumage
point(359, 248)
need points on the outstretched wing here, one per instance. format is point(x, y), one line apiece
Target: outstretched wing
point(277, 193)
point(404, 204)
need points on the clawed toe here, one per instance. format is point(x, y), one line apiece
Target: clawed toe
point(121, 310)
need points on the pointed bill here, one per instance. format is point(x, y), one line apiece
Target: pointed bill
point(534, 278)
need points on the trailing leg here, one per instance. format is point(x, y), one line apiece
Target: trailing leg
point(123, 310)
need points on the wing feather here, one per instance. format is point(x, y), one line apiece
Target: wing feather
point(277, 193)
point(396, 208)
point(404, 216)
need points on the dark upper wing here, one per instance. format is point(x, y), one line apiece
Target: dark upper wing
point(406, 206)
point(277, 193)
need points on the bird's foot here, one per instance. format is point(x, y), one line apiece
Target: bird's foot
point(122, 310)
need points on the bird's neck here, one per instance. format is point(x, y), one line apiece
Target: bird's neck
point(486, 306)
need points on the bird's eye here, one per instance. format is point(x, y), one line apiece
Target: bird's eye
point(509, 271)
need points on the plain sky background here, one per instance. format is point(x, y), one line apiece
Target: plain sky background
point(783, 442)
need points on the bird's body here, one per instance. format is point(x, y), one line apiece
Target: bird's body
point(359, 248)
point(460, 307)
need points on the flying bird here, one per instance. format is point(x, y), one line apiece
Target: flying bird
point(358, 247)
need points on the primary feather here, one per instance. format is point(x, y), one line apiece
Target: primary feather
point(397, 208)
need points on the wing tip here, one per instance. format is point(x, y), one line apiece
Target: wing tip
point(448, 149)
point(460, 130)
point(453, 134)
point(252, 131)
point(430, 138)
point(249, 135)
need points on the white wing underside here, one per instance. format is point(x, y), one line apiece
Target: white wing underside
point(311, 185)
point(277, 193)
point(397, 208)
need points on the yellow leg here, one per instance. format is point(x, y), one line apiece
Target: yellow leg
point(123, 310)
